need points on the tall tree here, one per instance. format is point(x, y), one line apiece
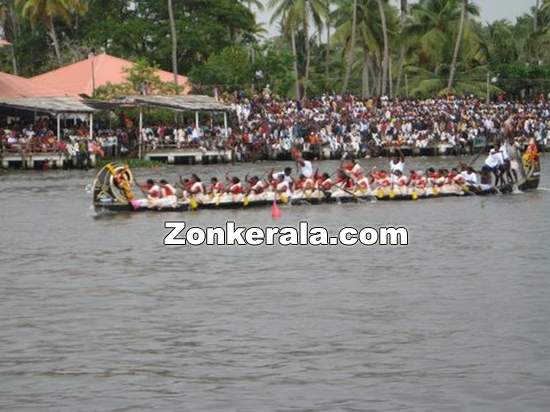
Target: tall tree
point(327, 51)
point(295, 14)
point(402, 21)
point(369, 37)
point(386, 58)
point(174, 42)
point(254, 3)
point(46, 12)
point(536, 17)
point(314, 10)
point(463, 14)
point(351, 48)
point(9, 26)
point(288, 14)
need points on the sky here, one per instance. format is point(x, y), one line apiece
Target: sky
point(491, 10)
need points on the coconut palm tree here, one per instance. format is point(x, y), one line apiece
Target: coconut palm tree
point(327, 51)
point(253, 3)
point(431, 25)
point(174, 42)
point(9, 26)
point(402, 21)
point(386, 58)
point(463, 16)
point(369, 38)
point(351, 47)
point(536, 17)
point(46, 12)
point(299, 13)
point(286, 12)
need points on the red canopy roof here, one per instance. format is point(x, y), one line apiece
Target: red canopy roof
point(12, 87)
point(77, 79)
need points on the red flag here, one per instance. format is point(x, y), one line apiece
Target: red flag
point(275, 211)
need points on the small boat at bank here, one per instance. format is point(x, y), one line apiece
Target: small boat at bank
point(112, 191)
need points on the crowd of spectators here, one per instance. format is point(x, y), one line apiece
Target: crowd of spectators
point(367, 128)
point(74, 142)
point(265, 127)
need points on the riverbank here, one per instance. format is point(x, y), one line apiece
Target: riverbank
point(163, 156)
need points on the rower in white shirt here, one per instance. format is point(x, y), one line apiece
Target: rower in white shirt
point(470, 176)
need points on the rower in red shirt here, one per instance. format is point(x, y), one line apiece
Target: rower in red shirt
point(362, 182)
point(326, 182)
point(299, 183)
point(196, 187)
point(256, 186)
point(216, 187)
point(235, 187)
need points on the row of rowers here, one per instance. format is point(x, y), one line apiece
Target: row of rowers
point(349, 177)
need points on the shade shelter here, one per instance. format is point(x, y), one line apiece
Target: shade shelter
point(189, 103)
point(55, 106)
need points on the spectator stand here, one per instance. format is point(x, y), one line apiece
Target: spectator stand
point(49, 147)
point(193, 143)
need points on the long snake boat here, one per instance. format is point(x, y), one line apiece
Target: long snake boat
point(113, 191)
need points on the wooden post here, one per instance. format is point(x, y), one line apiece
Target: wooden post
point(91, 126)
point(140, 154)
point(488, 87)
point(225, 124)
point(58, 127)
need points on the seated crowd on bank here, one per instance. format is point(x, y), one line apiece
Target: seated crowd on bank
point(351, 125)
point(504, 163)
point(74, 142)
point(265, 127)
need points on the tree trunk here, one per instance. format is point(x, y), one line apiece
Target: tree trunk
point(366, 86)
point(14, 61)
point(295, 55)
point(349, 62)
point(390, 76)
point(402, 21)
point(11, 32)
point(327, 56)
point(457, 45)
point(174, 42)
point(377, 75)
point(55, 41)
point(308, 56)
point(374, 82)
point(385, 61)
point(536, 17)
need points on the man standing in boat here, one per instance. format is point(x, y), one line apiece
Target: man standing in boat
point(305, 168)
point(493, 164)
point(397, 164)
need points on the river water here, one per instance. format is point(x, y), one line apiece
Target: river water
point(97, 315)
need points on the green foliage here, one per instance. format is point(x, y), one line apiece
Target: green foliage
point(141, 78)
point(229, 69)
point(218, 44)
point(274, 64)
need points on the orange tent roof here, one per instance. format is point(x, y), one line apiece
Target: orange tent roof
point(15, 87)
point(76, 79)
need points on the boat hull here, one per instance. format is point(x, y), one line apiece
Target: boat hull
point(184, 207)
